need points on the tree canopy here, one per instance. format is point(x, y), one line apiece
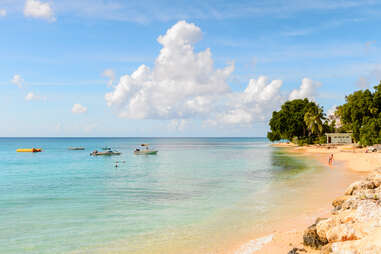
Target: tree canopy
point(297, 118)
point(361, 114)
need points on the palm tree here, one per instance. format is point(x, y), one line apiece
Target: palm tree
point(313, 120)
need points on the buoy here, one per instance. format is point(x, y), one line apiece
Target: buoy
point(29, 150)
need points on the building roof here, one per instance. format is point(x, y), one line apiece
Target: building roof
point(339, 134)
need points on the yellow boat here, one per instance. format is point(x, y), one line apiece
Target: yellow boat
point(29, 150)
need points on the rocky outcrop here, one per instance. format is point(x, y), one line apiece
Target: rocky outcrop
point(311, 238)
point(297, 251)
point(355, 224)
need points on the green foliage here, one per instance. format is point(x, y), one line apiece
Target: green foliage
point(361, 113)
point(370, 132)
point(321, 140)
point(297, 120)
point(313, 120)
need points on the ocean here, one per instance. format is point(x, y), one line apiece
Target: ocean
point(197, 195)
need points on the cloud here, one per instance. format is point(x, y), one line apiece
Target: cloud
point(306, 90)
point(33, 97)
point(255, 103)
point(39, 10)
point(145, 11)
point(109, 73)
point(178, 124)
point(78, 109)
point(373, 76)
point(184, 84)
point(17, 80)
point(3, 13)
point(331, 111)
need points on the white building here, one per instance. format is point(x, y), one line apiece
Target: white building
point(339, 138)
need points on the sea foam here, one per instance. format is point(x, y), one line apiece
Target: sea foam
point(254, 245)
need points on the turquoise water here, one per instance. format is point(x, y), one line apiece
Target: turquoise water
point(62, 201)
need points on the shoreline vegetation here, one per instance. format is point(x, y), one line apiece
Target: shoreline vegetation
point(351, 223)
point(304, 121)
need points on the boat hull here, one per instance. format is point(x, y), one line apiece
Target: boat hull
point(29, 150)
point(145, 152)
point(104, 154)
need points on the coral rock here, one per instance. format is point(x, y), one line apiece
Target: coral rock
point(312, 239)
point(337, 203)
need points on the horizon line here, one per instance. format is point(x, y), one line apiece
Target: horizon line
point(135, 137)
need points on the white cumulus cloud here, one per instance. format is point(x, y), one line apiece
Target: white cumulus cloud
point(40, 10)
point(184, 84)
point(308, 89)
point(34, 97)
point(17, 80)
point(255, 103)
point(3, 13)
point(181, 84)
point(78, 109)
point(110, 74)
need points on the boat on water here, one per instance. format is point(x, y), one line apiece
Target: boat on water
point(76, 148)
point(109, 152)
point(29, 150)
point(145, 150)
point(106, 148)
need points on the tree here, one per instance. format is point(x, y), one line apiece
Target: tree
point(361, 114)
point(313, 120)
point(370, 132)
point(358, 106)
point(289, 121)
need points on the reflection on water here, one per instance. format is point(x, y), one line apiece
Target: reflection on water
point(284, 165)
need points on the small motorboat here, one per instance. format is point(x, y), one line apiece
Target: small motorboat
point(109, 152)
point(106, 148)
point(76, 148)
point(144, 149)
point(29, 150)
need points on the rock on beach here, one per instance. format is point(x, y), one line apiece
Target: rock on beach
point(355, 224)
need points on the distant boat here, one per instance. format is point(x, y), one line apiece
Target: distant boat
point(76, 148)
point(109, 152)
point(145, 150)
point(29, 150)
point(106, 148)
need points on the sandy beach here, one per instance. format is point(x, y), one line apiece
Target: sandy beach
point(354, 164)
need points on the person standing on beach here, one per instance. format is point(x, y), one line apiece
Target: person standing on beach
point(330, 159)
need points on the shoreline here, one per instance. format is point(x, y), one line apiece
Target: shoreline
point(288, 234)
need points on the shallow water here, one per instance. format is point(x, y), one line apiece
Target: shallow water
point(196, 195)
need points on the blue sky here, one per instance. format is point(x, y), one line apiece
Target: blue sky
point(220, 69)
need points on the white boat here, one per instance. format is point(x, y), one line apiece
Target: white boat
point(145, 150)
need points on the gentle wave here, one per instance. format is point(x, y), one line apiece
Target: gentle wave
point(254, 245)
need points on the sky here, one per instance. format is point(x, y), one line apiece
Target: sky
point(122, 68)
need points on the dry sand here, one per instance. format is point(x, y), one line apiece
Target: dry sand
point(289, 234)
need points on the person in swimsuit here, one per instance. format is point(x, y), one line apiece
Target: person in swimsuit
point(330, 159)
